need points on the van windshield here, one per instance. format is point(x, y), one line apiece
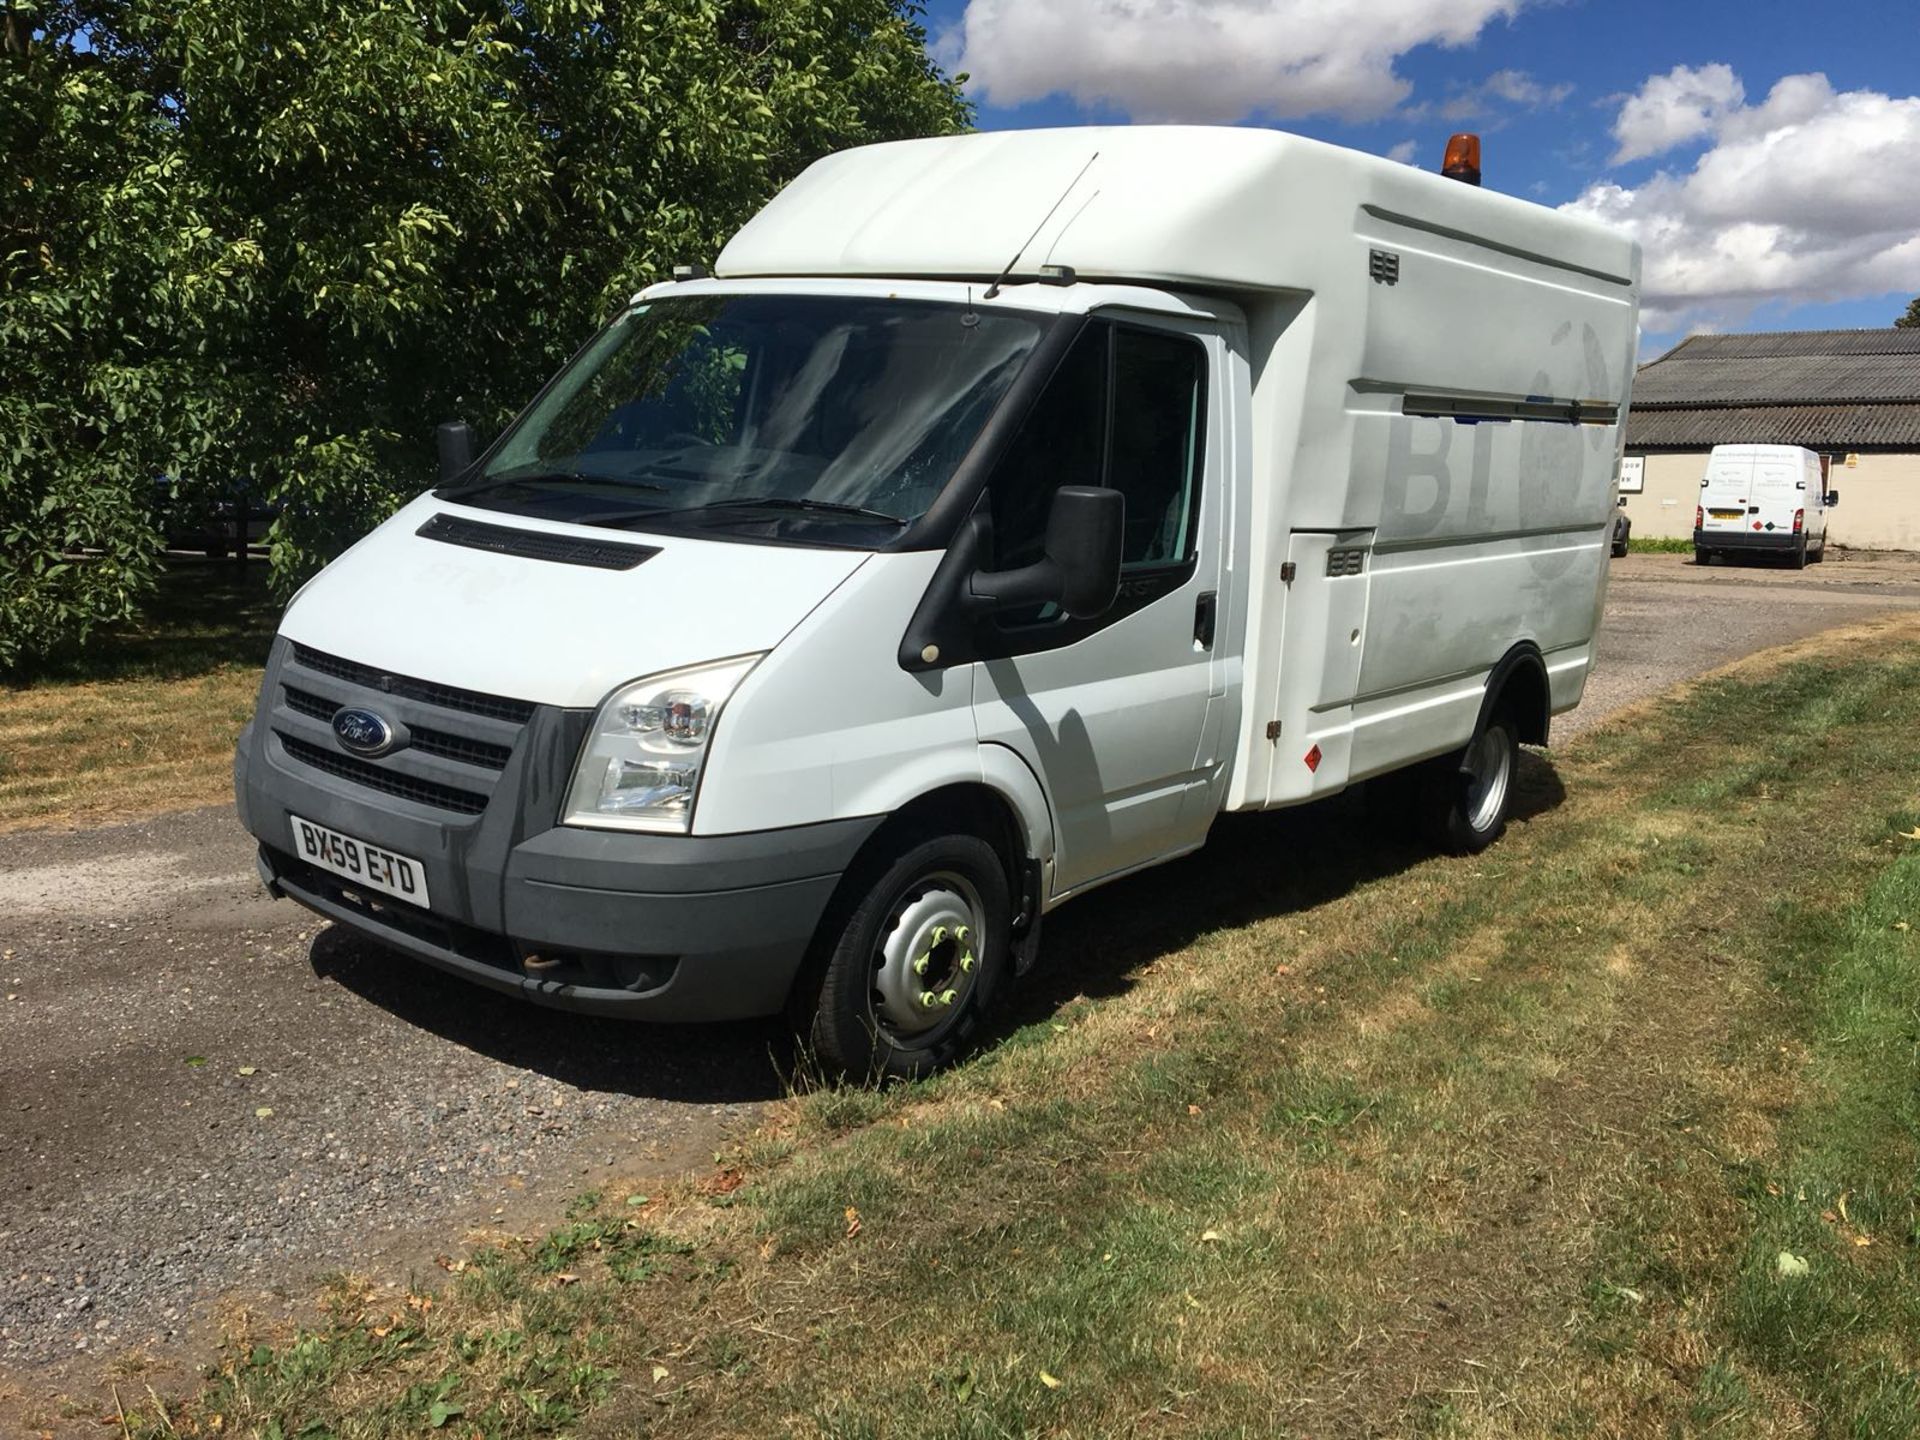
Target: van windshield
point(812, 419)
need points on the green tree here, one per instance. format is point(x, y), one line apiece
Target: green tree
point(1910, 320)
point(274, 241)
point(107, 265)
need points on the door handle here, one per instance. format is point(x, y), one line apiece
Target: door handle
point(1204, 610)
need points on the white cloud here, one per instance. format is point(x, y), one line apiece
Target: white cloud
point(1210, 60)
point(1810, 195)
point(1674, 108)
point(1404, 152)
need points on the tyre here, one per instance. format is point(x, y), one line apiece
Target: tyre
point(1799, 557)
point(1465, 796)
point(1702, 556)
point(915, 961)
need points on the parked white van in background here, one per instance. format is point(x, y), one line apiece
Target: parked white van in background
point(1767, 499)
point(1002, 510)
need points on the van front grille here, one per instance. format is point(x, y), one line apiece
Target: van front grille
point(455, 743)
point(428, 692)
point(420, 737)
point(378, 777)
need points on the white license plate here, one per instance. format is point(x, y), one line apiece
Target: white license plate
point(400, 876)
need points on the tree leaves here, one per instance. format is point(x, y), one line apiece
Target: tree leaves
point(276, 244)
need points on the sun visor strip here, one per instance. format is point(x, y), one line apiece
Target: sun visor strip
point(535, 544)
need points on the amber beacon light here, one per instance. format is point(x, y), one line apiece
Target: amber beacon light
point(1463, 159)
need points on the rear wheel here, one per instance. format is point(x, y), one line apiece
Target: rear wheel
point(1465, 796)
point(1799, 557)
point(1702, 556)
point(915, 962)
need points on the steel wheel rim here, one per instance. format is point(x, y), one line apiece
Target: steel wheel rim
point(1489, 771)
point(928, 961)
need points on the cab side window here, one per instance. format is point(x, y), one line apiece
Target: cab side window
point(1154, 456)
point(1063, 442)
point(1125, 410)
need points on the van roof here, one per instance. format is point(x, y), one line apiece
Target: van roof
point(1757, 452)
point(1203, 206)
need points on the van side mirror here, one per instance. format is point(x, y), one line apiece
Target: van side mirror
point(1080, 570)
point(455, 442)
point(1833, 498)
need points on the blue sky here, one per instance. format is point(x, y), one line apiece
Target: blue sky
point(1761, 205)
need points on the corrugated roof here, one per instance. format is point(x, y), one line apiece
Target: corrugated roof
point(1817, 427)
point(1826, 389)
point(1708, 379)
point(1892, 340)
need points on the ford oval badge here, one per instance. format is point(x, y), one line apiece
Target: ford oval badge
point(362, 731)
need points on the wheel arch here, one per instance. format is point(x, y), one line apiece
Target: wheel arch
point(1519, 681)
point(1005, 806)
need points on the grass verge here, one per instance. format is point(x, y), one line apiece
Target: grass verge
point(143, 717)
point(1656, 545)
point(1610, 1131)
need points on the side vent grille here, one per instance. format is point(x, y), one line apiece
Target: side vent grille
point(1346, 562)
point(1383, 267)
point(535, 544)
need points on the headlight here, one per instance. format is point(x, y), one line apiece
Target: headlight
point(641, 764)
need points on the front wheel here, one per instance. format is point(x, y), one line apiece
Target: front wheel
point(1466, 796)
point(916, 961)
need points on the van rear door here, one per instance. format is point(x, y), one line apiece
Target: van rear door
point(1726, 493)
point(1776, 493)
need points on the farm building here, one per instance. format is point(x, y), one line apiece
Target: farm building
point(1851, 395)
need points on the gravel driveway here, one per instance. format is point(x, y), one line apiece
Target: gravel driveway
point(207, 1094)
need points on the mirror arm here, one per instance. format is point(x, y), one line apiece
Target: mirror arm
point(1033, 584)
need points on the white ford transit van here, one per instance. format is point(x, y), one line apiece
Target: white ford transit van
point(1768, 499)
point(1000, 511)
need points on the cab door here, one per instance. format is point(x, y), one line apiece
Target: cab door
point(1119, 715)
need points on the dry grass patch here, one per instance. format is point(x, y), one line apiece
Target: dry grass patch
point(84, 754)
point(141, 718)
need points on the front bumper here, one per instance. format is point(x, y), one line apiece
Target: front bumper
point(657, 927)
point(1771, 540)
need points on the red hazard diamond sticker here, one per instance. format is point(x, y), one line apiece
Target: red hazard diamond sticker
point(1313, 758)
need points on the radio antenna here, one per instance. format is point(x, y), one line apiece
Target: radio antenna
point(1001, 279)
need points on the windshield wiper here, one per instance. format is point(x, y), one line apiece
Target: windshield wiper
point(803, 504)
point(545, 477)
